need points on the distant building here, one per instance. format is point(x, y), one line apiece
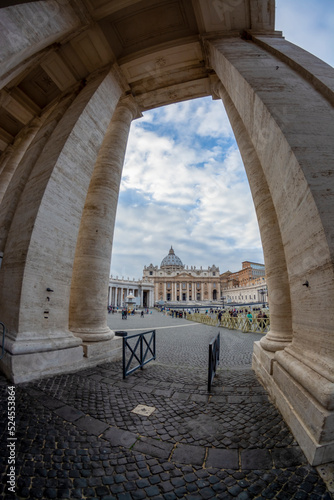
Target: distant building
point(250, 273)
point(120, 288)
point(245, 286)
point(174, 282)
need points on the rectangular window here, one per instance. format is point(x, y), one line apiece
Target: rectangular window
point(184, 286)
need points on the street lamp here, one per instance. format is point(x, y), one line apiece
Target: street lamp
point(263, 291)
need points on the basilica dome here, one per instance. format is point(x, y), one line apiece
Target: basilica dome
point(171, 260)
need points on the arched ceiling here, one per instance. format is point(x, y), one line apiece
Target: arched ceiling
point(156, 45)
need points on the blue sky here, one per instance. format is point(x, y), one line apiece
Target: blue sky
point(183, 181)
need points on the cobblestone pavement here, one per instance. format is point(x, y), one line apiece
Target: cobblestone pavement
point(78, 437)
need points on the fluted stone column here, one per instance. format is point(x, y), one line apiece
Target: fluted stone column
point(88, 304)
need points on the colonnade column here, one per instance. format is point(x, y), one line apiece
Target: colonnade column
point(270, 84)
point(280, 334)
point(35, 280)
point(88, 304)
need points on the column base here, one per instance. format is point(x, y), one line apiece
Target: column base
point(275, 343)
point(34, 365)
point(101, 352)
point(93, 334)
point(27, 361)
point(310, 422)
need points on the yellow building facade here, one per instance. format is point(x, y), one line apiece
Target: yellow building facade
point(175, 282)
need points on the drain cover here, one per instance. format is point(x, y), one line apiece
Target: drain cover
point(146, 411)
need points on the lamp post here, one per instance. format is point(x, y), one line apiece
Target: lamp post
point(223, 298)
point(263, 291)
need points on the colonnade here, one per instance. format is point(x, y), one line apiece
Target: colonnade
point(59, 198)
point(64, 213)
point(118, 291)
point(186, 290)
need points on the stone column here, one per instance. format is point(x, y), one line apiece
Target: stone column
point(280, 334)
point(36, 273)
point(88, 313)
point(284, 101)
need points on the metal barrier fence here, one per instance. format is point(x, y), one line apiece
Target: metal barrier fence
point(246, 325)
point(203, 318)
point(142, 348)
point(214, 349)
point(3, 340)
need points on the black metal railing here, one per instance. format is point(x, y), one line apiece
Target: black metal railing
point(3, 339)
point(214, 348)
point(141, 350)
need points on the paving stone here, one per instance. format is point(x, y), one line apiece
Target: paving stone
point(51, 403)
point(143, 388)
point(91, 425)
point(69, 413)
point(181, 396)
point(163, 392)
point(154, 447)
point(62, 460)
point(288, 457)
point(118, 437)
point(152, 491)
point(222, 459)
point(184, 454)
point(256, 459)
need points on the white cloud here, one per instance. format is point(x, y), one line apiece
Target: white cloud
point(184, 182)
point(193, 195)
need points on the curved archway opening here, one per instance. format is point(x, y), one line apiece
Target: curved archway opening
point(184, 184)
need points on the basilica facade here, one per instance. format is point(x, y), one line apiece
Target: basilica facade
point(175, 282)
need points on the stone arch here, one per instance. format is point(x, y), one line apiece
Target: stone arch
point(72, 80)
